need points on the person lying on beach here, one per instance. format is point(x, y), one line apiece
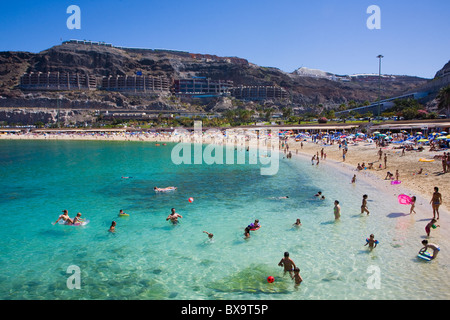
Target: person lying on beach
point(64, 217)
point(431, 246)
point(430, 225)
point(288, 264)
point(210, 235)
point(164, 189)
point(173, 216)
point(371, 242)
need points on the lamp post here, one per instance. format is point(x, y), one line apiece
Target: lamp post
point(379, 83)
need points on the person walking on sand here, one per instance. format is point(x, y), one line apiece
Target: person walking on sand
point(436, 201)
point(354, 178)
point(380, 154)
point(364, 205)
point(337, 210)
point(385, 161)
point(288, 264)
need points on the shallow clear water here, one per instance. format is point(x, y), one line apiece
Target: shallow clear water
point(148, 258)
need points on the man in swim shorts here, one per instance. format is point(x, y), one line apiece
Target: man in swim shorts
point(173, 216)
point(431, 246)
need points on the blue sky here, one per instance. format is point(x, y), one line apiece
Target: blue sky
point(329, 35)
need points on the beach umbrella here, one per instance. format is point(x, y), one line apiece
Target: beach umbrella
point(376, 132)
point(448, 137)
point(419, 133)
point(441, 138)
point(423, 140)
point(443, 132)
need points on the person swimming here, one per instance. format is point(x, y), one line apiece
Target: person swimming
point(112, 228)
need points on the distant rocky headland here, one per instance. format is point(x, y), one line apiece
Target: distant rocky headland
point(78, 77)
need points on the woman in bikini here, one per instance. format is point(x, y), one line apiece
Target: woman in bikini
point(436, 201)
point(65, 218)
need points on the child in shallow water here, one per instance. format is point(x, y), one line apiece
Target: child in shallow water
point(413, 205)
point(371, 242)
point(364, 205)
point(297, 277)
point(430, 225)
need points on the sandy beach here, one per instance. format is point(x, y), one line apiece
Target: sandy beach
point(408, 166)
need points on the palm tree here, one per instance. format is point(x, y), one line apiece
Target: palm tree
point(444, 99)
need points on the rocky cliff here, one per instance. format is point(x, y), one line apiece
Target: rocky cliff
point(305, 92)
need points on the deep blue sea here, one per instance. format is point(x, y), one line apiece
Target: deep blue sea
point(149, 258)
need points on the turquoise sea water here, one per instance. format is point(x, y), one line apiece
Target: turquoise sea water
point(148, 258)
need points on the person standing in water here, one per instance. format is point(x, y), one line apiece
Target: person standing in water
point(288, 264)
point(113, 227)
point(364, 205)
point(337, 210)
point(436, 201)
point(413, 205)
point(173, 216)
